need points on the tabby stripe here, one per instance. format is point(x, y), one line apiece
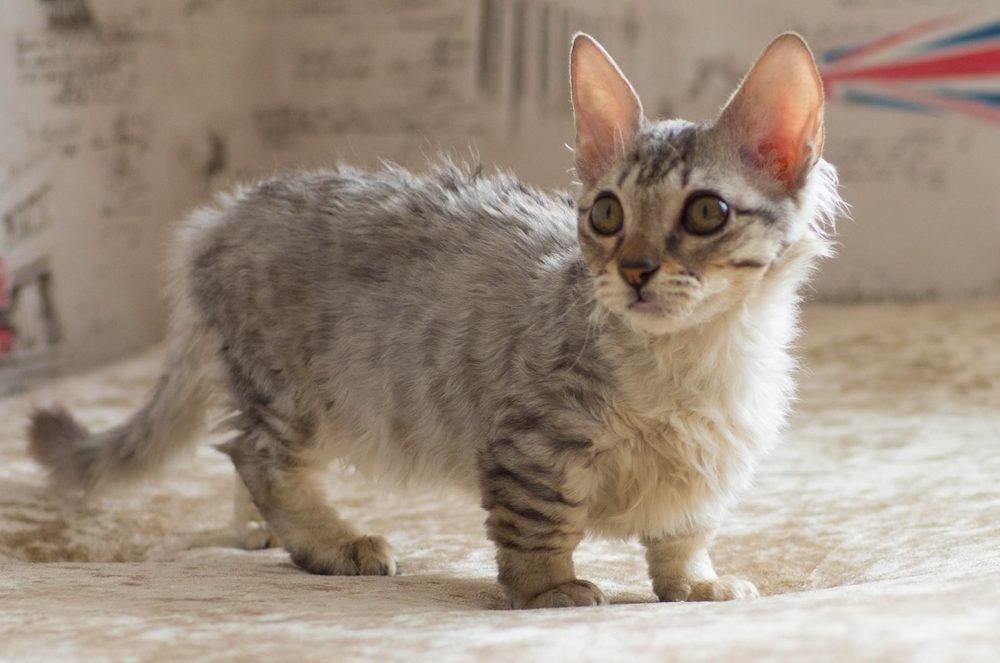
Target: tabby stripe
point(766, 214)
point(577, 396)
point(687, 146)
point(522, 457)
point(521, 423)
point(625, 174)
point(521, 548)
point(499, 524)
point(530, 423)
point(633, 161)
point(618, 242)
point(685, 175)
point(747, 264)
point(541, 491)
point(527, 512)
point(511, 448)
point(570, 444)
point(673, 241)
point(569, 362)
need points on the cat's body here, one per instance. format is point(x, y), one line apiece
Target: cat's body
point(405, 380)
point(465, 328)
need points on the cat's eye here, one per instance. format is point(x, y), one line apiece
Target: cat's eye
point(606, 215)
point(704, 214)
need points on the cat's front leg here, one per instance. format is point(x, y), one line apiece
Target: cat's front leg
point(535, 525)
point(681, 570)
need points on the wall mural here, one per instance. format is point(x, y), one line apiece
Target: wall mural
point(6, 329)
point(29, 325)
point(945, 65)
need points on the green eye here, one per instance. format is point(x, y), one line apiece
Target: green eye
point(704, 214)
point(606, 215)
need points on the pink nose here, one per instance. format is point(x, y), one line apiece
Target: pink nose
point(637, 272)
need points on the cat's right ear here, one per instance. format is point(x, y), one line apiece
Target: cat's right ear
point(605, 107)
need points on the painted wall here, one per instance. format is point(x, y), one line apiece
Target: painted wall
point(118, 116)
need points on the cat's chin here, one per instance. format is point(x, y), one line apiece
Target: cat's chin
point(659, 317)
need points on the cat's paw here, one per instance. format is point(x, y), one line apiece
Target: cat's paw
point(576, 593)
point(363, 556)
point(256, 535)
point(726, 588)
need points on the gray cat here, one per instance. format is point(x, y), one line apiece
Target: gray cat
point(614, 363)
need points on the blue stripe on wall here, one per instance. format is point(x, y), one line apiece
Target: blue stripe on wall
point(859, 97)
point(982, 96)
point(984, 33)
point(836, 53)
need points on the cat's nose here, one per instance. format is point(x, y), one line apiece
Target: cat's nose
point(637, 272)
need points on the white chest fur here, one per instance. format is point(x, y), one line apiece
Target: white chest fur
point(684, 434)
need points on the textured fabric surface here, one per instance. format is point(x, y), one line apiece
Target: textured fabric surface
point(873, 533)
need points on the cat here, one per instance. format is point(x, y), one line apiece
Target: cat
point(614, 363)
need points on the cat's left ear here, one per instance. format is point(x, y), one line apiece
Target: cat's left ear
point(775, 117)
point(605, 107)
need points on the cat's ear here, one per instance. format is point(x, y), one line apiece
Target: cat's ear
point(605, 107)
point(775, 117)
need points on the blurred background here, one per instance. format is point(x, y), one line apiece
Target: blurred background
point(117, 117)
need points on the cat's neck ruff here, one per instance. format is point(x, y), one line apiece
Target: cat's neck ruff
point(735, 368)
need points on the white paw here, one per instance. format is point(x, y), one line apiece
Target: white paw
point(255, 535)
point(726, 588)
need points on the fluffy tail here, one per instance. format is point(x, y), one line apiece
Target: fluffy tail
point(166, 424)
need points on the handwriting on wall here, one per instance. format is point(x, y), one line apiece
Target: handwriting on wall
point(78, 69)
point(27, 218)
point(912, 157)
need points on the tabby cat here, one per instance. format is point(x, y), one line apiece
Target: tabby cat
point(614, 363)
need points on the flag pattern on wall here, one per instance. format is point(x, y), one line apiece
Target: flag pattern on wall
point(946, 65)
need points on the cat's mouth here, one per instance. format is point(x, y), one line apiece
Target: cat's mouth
point(646, 307)
point(661, 305)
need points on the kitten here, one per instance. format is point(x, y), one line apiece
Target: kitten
point(613, 364)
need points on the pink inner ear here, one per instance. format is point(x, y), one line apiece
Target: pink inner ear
point(597, 141)
point(606, 109)
point(776, 116)
point(780, 150)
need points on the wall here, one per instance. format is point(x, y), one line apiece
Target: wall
point(118, 116)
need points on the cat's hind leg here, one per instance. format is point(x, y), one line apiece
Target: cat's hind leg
point(252, 533)
point(284, 489)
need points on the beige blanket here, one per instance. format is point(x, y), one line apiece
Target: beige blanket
point(873, 533)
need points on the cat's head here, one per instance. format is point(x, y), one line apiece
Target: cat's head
point(680, 222)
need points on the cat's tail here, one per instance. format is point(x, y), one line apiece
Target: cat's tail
point(79, 460)
point(174, 413)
